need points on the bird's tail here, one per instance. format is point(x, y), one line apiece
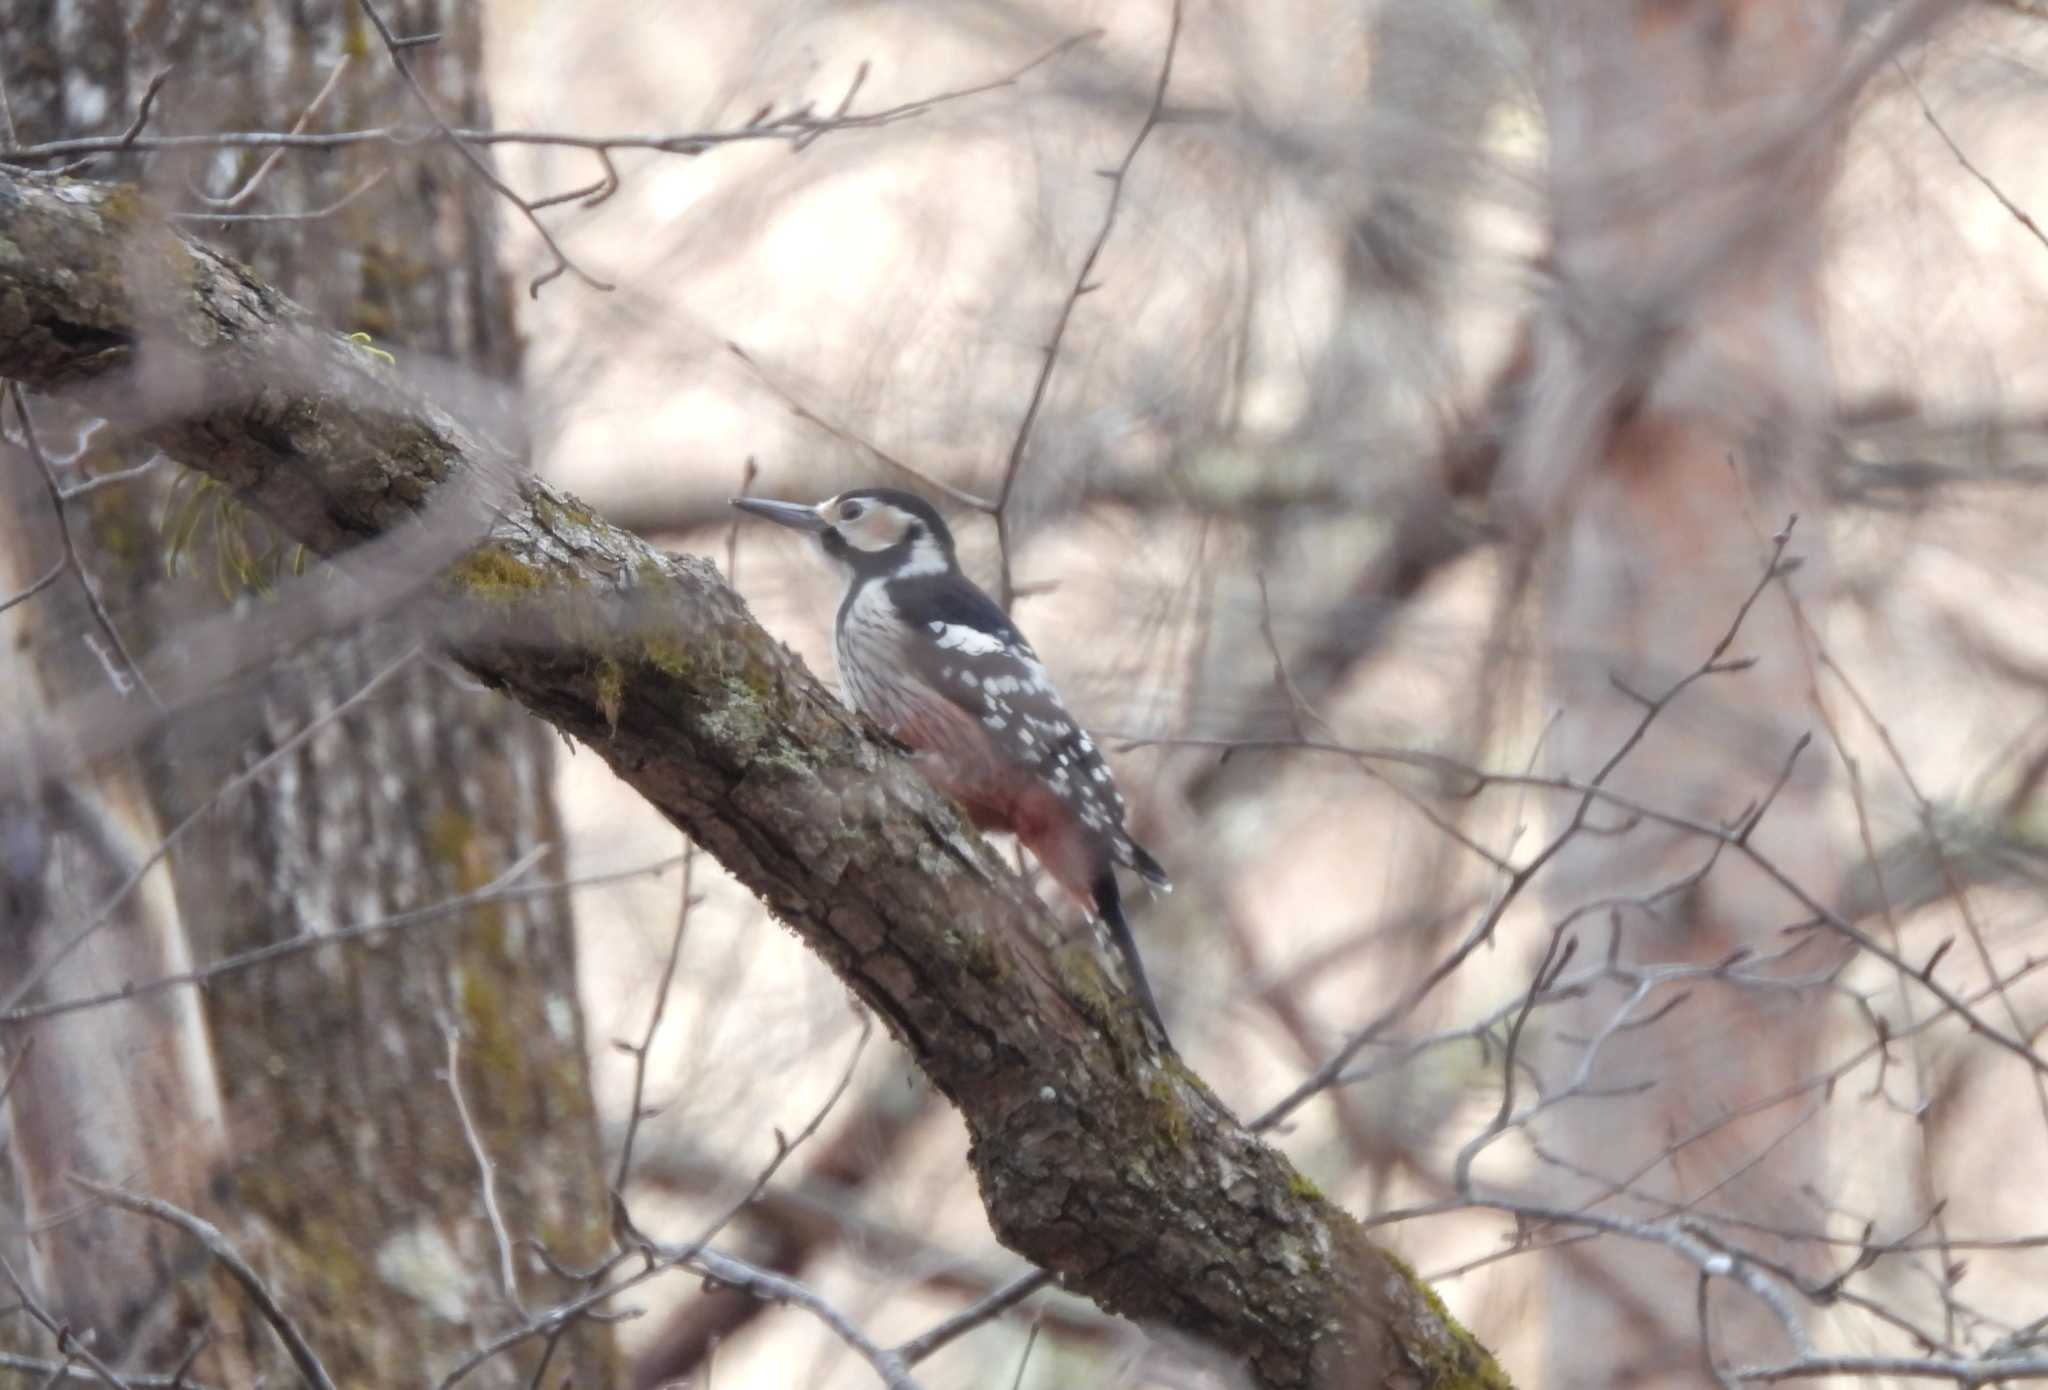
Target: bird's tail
point(1109, 906)
point(1148, 868)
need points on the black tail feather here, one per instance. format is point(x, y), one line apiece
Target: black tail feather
point(1148, 867)
point(1109, 906)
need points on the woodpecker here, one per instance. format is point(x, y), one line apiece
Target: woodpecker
point(927, 655)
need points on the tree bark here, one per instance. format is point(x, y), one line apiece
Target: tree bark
point(1110, 1165)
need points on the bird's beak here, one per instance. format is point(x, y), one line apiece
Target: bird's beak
point(794, 515)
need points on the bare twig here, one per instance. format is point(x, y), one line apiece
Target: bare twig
point(555, 1322)
point(217, 1245)
point(1556, 956)
point(503, 888)
point(55, 573)
point(28, 1045)
point(68, 1345)
point(33, 979)
point(310, 215)
point(845, 436)
point(68, 1369)
point(549, 1323)
point(199, 1344)
point(126, 139)
point(1300, 710)
point(760, 1283)
point(1589, 794)
point(784, 1147)
point(124, 475)
point(1023, 1361)
point(969, 1318)
point(508, 1274)
point(2019, 214)
point(269, 162)
point(132, 671)
point(715, 1265)
point(800, 124)
point(1007, 591)
point(639, 1052)
point(1964, 1371)
point(396, 48)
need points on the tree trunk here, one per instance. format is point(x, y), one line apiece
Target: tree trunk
point(347, 1176)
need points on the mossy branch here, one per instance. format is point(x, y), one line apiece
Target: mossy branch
point(1116, 1169)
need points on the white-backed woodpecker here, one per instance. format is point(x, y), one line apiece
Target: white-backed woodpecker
point(934, 661)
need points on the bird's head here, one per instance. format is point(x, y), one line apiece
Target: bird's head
point(870, 530)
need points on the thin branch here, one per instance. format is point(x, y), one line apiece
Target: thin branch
point(71, 556)
point(68, 1369)
point(800, 124)
point(552, 1322)
point(1300, 709)
point(33, 979)
point(68, 1345)
point(217, 1245)
point(28, 1045)
point(199, 1344)
point(1593, 793)
point(1700, 1311)
point(845, 436)
point(1556, 956)
point(775, 1288)
point(508, 1274)
point(55, 573)
point(124, 475)
point(639, 1053)
point(249, 185)
point(555, 1322)
point(310, 215)
point(1963, 1371)
point(1007, 592)
point(396, 48)
point(126, 139)
point(1589, 793)
point(718, 1266)
point(973, 1316)
point(502, 889)
point(784, 1147)
point(2019, 214)
point(1024, 1361)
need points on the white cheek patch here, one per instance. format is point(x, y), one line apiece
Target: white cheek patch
point(872, 530)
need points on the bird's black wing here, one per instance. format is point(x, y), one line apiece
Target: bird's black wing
point(974, 656)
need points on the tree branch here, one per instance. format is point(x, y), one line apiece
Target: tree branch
point(1113, 1167)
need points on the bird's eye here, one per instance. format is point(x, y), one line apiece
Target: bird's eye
point(850, 511)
